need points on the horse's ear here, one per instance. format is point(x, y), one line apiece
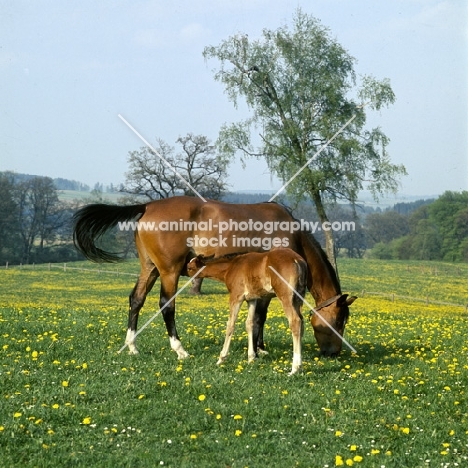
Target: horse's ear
point(344, 299)
point(350, 300)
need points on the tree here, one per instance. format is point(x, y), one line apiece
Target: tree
point(39, 213)
point(8, 219)
point(384, 227)
point(301, 87)
point(450, 214)
point(198, 163)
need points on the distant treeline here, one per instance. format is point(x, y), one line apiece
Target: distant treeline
point(36, 226)
point(59, 183)
point(433, 231)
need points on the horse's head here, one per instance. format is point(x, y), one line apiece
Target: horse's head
point(336, 315)
point(194, 265)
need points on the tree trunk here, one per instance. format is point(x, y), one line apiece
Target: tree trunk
point(329, 239)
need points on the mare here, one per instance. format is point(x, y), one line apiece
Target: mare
point(250, 277)
point(171, 231)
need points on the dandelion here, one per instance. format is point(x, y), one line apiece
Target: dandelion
point(65, 383)
point(374, 451)
point(339, 460)
point(140, 397)
point(338, 433)
point(237, 417)
point(238, 432)
point(405, 430)
point(86, 420)
point(353, 448)
point(55, 406)
point(17, 415)
point(358, 458)
point(34, 354)
point(218, 416)
point(349, 462)
point(193, 436)
point(201, 397)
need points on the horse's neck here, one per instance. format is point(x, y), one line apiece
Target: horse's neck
point(215, 270)
point(324, 280)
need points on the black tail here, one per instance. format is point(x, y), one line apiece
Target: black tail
point(92, 221)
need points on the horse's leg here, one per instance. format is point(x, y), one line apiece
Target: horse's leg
point(259, 319)
point(234, 307)
point(148, 275)
point(168, 290)
point(296, 324)
point(252, 354)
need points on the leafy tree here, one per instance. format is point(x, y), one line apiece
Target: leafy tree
point(384, 227)
point(38, 213)
point(8, 220)
point(450, 213)
point(301, 86)
point(197, 162)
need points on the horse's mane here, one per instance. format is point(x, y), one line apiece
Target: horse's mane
point(323, 256)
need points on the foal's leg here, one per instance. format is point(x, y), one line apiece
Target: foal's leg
point(259, 319)
point(145, 282)
point(168, 289)
point(296, 324)
point(234, 307)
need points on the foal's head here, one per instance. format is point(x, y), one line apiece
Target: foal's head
point(194, 265)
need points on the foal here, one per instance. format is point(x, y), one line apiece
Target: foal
point(249, 277)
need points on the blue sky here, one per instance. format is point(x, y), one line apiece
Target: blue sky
point(67, 69)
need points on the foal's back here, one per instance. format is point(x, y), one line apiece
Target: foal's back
point(251, 275)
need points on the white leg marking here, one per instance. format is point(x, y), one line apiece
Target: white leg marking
point(176, 345)
point(234, 308)
point(297, 363)
point(130, 341)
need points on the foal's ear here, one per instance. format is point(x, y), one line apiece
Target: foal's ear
point(199, 261)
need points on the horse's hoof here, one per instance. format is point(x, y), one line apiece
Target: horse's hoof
point(294, 371)
point(251, 358)
point(262, 351)
point(182, 354)
point(133, 351)
point(220, 361)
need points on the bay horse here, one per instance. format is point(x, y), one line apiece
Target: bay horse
point(250, 277)
point(171, 231)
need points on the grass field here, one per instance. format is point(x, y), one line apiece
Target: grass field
point(68, 398)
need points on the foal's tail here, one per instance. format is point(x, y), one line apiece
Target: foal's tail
point(92, 221)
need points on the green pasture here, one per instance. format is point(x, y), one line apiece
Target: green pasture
point(67, 398)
